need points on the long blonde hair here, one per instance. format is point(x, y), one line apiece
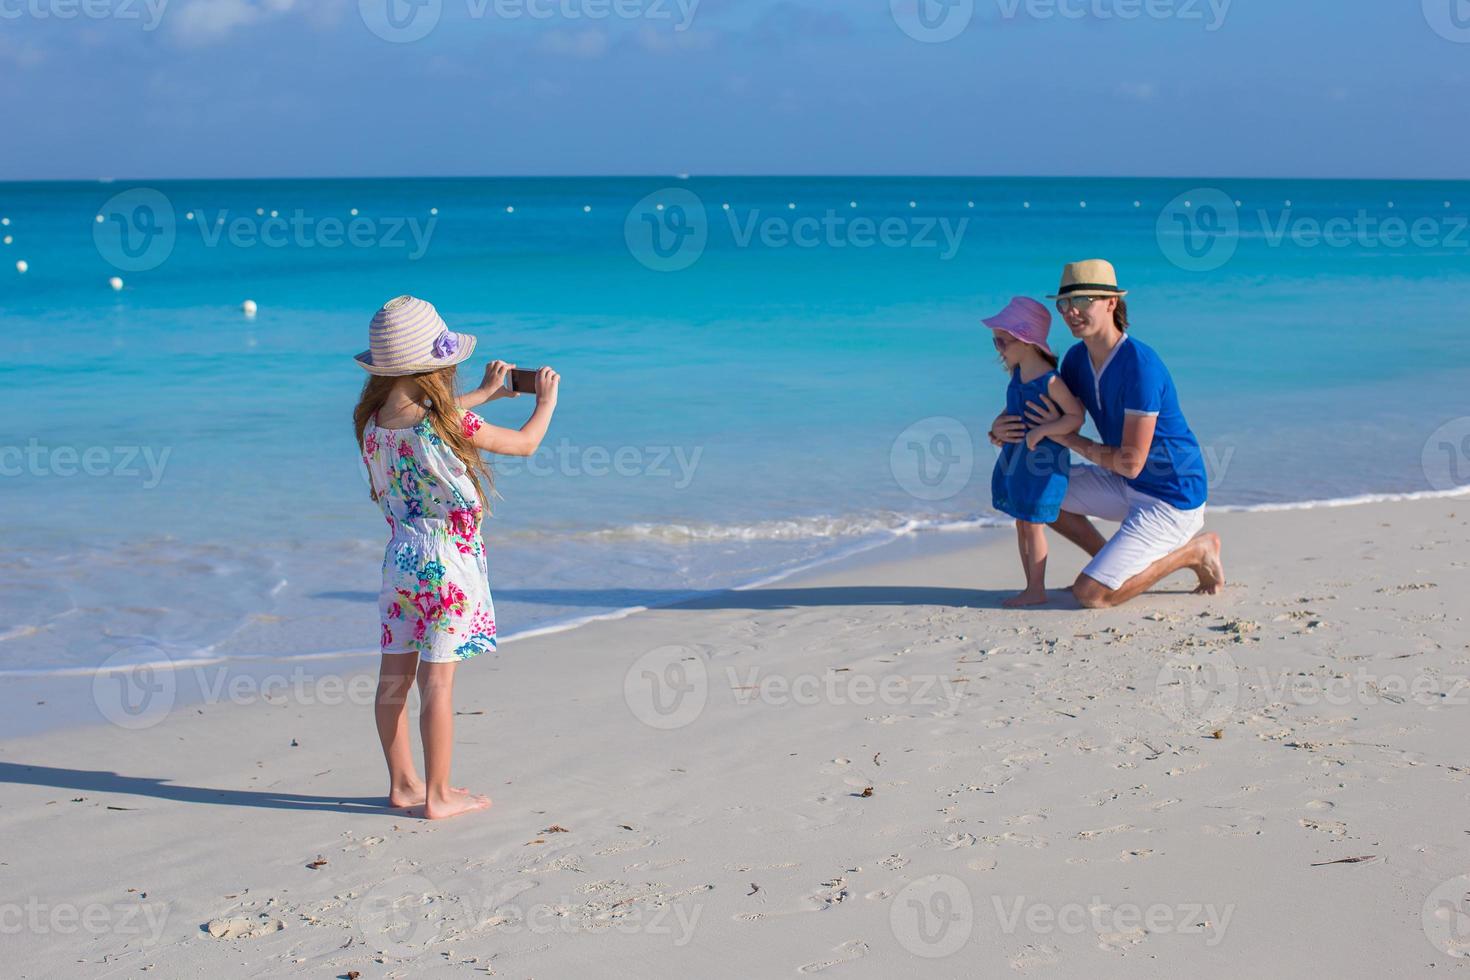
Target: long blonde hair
point(436, 390)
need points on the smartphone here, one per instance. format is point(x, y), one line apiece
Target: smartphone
point(522, 380)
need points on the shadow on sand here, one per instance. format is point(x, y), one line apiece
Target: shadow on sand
point(97, 781)
point(759, 599)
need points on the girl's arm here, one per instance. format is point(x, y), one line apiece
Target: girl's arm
point(491, 388)
point(527, 439)
point(1069, 421)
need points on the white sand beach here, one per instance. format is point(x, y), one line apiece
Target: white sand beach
point(866, 771)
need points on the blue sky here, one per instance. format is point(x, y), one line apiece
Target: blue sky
point(262, 88)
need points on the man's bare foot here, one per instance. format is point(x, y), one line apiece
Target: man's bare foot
point(1211, 570)
point(1027, 598)
point(457, 801)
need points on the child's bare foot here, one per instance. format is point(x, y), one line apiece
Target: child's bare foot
point(1027, 598)
point(457, 801)
point(408, 794)
point(1210, 569)
point(415, 796)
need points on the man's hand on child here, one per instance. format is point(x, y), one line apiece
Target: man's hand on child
point(1042, 414)
point(1006, 428)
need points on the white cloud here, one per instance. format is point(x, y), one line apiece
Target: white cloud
point(209, 21)
point(658, 41)
point(590, 43)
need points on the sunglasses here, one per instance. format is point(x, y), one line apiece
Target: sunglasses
point(1079, 303)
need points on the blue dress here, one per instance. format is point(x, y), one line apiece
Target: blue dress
point(1029, 484)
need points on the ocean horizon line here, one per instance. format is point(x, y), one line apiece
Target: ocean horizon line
point(681, 176)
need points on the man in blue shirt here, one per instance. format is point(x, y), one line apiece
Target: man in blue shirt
point(1147, 473)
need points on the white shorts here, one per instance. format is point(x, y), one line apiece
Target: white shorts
point(1150, 528)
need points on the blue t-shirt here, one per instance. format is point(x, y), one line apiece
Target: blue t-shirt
point(1134, 381)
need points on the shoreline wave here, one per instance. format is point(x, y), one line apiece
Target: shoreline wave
point(873, 533)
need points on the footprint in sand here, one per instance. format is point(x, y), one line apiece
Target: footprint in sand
point(1334, 827)
point(1021, 840)
point(831, 893)
point(1118, 942)
point(1121, 828)
point(1321, 805)
point(659, 864)
point(741, 868)
point(982, 864)
point(853, 949)
point(623, 846)
point(363, 844)
point(893, 862)
point(1141, 854)
point(1025, 819)
point(1032, 957)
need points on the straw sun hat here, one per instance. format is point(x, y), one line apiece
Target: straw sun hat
point(1090, 277)
point(407, 336)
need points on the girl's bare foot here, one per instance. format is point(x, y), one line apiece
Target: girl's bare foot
point(1210, 569)
point(456, 802)
point(1027, 598)
point(408, 794)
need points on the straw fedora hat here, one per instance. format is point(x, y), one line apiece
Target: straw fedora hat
point(407, 336)
point(1090, 277)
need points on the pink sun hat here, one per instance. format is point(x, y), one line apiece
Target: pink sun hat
point(1025, 319)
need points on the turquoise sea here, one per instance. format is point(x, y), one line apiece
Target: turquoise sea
point(744, 390)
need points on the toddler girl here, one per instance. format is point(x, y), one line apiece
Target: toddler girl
point(1030, 477)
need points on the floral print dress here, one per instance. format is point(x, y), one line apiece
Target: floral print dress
point(436, 587)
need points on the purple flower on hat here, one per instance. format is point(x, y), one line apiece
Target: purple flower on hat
point(446, 345)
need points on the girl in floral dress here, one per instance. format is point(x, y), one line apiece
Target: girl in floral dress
point(421, 447)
